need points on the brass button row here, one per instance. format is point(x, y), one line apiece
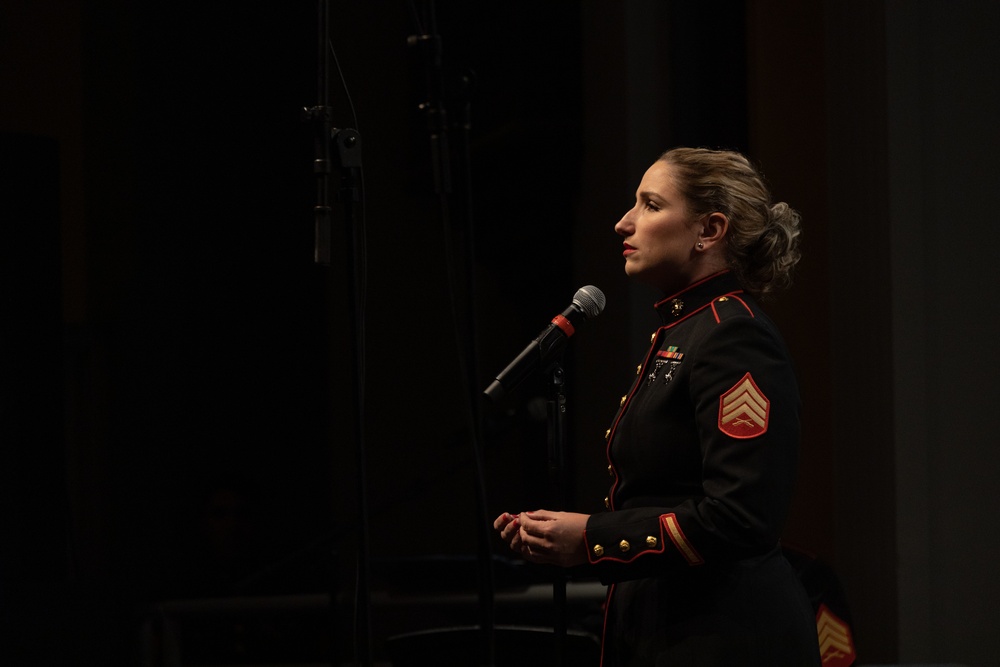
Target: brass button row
point(624, 546)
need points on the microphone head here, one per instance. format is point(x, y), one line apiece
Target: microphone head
point(590, 300)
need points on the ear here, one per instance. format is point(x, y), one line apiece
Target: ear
point(713, 229)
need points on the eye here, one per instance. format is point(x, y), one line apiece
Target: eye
point(652, 206)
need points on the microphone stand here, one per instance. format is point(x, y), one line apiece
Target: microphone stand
point(556, 416)
point(348, 158)
point(428, 43)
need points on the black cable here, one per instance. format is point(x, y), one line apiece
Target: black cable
point(465, 337)
point(348, 144)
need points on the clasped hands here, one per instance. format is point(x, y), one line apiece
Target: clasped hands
point(552, 538)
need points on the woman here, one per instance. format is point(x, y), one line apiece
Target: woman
point(703, 449)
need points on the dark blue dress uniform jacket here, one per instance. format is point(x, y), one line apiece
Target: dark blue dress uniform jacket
point(702, 456)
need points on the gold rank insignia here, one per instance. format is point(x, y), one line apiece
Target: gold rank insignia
point(744, 410)
point(836, 647)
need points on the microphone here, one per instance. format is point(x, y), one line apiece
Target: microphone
point(540, 353)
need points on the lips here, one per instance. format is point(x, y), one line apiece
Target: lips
point(628, 250)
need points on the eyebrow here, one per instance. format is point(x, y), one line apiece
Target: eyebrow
point(650, 194)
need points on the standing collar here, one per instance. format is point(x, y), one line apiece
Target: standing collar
point(696, 295)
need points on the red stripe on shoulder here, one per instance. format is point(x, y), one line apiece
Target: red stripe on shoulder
point(732, 296)
point(736, 296)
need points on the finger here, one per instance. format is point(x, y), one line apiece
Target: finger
point(539, 515)
point(513, 533)
point(535, 542)
point(502, 521)
point(527, 538)
point(508, 533)
point(531, 523)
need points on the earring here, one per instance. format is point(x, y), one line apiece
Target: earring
point(700, 245)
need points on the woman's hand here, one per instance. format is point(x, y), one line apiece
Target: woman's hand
point(509, 526)
point(554, 538)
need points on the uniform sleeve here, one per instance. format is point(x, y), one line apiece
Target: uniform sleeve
point(746, 404)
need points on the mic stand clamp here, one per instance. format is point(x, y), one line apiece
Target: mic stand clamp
point(347, 157)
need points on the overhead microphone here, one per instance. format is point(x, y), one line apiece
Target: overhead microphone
point(542, 352)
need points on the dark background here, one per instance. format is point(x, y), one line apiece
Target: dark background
point(179, 396)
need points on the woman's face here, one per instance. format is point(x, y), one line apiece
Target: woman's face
point(660, 234)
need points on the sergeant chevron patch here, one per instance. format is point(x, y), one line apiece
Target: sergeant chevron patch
point(835, 644)
point(744, 410)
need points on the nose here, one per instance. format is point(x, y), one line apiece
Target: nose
point(624, 227)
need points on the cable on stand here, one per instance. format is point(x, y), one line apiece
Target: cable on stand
point(427, 43)
point(339, 151)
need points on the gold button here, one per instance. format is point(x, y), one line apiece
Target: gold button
point(607, 433)
point(653, 337)
point(723, 298)
point(623, 400)
point(607, 502)
point(624, 546)
point(598, 550)
point(651, 542)
point(638, 369)
point(611, 471)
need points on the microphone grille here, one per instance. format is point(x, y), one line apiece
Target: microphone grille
point(590, 300)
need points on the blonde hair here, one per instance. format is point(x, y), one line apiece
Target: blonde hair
point(762, 244)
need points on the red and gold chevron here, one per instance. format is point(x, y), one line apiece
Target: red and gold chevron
point(836, 646)
point(744, 410)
